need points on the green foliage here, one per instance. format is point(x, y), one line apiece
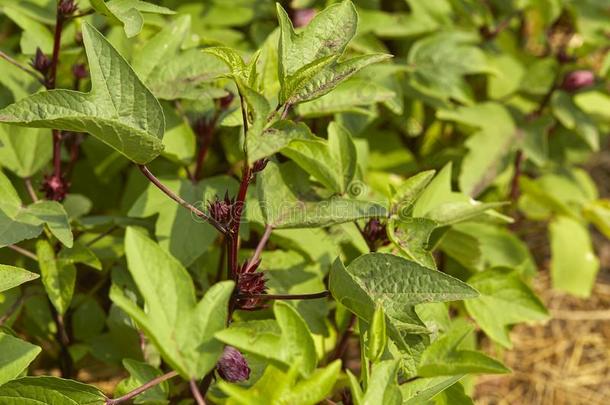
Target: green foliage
point(114, 88)
point(181, 328)
point(304, 189)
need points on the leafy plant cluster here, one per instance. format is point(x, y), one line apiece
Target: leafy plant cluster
point(255, 203)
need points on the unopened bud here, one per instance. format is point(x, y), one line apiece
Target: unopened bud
point(226, 101)
point(41, 62)
point(577, 80)
point(67, 7)
point(251, 281)
point(221, 210)
point(79, 71)
point(375, 233)
point(259, 165)
point(233, 366)
point(55, 187)
point(302, 17)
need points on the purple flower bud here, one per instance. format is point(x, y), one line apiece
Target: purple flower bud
point(67, 7)
point(232, 366)
point(79, 71)
point(577, 80)
point(55, 187)
point(41, 62)
point(259, 165)
point(301, 18)
point(250, 281)
point(226, 101)
point(221, 210)
point(375, 233)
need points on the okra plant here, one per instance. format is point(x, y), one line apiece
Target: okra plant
point(243, 202)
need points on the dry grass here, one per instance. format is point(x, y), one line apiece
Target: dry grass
point(563, 362)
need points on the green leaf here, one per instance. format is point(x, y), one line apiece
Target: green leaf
point(35, 34)
point(573, 118)
point(11, 277)
point(315, 86)
point(487, 147)
point(377, 337)
point(505, 300)
point(55, 217)
point(355, 388)
point(454, 395)
point(128, 13)
point(287, 200)
point(343, 150)
point(232, 59)
point(327, 34)
point(141, 373)
point(408, 192)
point(397, 285)
point(261, 338)
point(58, 277)
point(177, 230)
point(296, 343)
point(288, 341)
point(171, 73)
point(309, 66)
point(444, 356)
point(15, 356)
point(50, 390)
point(436, 192)
point(422, 390)
point(382, 386)
point(275, 138)
point(460, 211)
point(161, 47)
point(88, 319)
point(80, 253)
point(598, 212)
point(411, 236)
point(354, 95)
point(277, 387)
point(181, 328)
point(441, 61)
point(24, 151)
point(119, 110)
point(574, 265)
point(19, 223)
point(315, 158)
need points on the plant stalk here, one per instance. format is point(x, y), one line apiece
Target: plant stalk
point(141, 389)
point(312, 296)
point(29, 71)
point(196, 394)
point(23, 252)
point(196, 211)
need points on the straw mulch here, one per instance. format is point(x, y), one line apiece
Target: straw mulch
point(565, 361)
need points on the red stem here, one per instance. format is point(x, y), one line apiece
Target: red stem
point(57, 153)
point(141, 389)
point(50, 83)
point(151, 177)
point(59, 26)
